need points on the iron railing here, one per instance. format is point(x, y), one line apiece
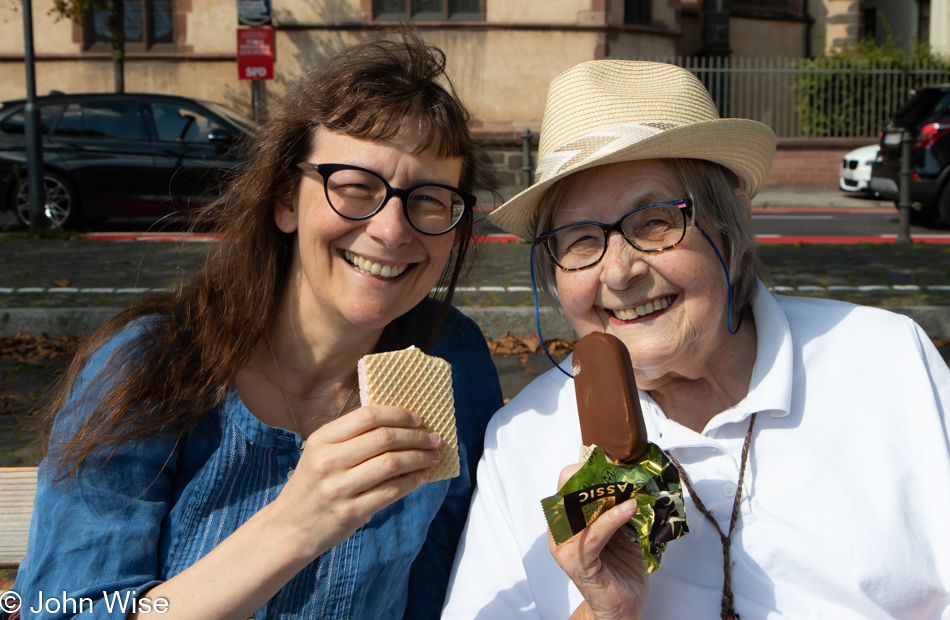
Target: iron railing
point(825, 97)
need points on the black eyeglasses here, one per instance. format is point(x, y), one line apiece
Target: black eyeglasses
point(358, 194)
point(652, 228)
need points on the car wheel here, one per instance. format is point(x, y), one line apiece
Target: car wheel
point(922, 216)
point(61, 206)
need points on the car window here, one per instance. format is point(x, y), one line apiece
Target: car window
point(15, 124)
point(176, 123)
point(119, 120)
point(944, 106)
point(227, 113)
point(922, 105)
point(70, 124)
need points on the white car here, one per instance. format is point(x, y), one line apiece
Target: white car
point(855, 173)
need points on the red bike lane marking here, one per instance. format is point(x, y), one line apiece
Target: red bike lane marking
point(840, 240)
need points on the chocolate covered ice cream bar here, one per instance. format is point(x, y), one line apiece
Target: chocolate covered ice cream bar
point(620, 464)
point(607, 400)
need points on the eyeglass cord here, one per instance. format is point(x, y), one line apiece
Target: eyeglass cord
point(537, 313)
point(728, 283)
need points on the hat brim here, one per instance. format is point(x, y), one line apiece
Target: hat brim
point(746, 147)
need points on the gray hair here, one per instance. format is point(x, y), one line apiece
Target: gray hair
point(715, 209)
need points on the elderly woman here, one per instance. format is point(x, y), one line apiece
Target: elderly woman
point(209, 455)
point(811, 435)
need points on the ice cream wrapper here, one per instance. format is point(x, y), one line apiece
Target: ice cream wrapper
point(600, 484)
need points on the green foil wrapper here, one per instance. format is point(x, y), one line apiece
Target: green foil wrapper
point(600, 484)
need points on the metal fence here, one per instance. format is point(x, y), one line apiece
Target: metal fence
point(824, 97)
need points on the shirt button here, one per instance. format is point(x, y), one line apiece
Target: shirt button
point(712, 449)
point(290, 474)
point(729, 490)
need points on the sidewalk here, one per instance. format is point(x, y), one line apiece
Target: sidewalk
point(802, 197)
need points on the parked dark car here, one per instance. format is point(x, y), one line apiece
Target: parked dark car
point(120, 154)
point(926, 115)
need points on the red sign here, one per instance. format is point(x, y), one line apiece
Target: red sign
point(255, 53)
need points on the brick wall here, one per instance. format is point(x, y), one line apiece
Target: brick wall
point(811, 162)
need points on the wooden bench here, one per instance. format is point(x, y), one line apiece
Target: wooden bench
point(17, 489)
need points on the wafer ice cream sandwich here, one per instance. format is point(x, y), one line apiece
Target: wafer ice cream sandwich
point(422, 383)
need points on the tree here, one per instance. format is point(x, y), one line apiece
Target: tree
point(855, 90)
point(80, 10)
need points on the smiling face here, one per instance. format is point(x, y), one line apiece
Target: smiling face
point(364, 273)
point(669, 307)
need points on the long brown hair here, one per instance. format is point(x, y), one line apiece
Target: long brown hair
point(181, 361)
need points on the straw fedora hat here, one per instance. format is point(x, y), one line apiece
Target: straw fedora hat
point(607, 111)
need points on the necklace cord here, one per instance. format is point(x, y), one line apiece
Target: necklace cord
point(283, 389)
point(728, 611)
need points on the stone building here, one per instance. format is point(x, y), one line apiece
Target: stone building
point(502, 53)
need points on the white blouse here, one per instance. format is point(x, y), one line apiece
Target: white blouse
point(846, 500)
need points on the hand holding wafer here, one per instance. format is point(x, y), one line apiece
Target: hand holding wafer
point(355, 466)
point(402, 436)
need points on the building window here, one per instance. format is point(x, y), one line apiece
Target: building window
point(923, 21)
point(429, 10)
point(760, 4)
point(147, 23)
point(636, 12)
point(869, 23)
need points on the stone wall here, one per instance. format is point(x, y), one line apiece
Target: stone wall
point(504, 153)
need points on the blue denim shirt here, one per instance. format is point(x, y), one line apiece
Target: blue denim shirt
point(157, 507)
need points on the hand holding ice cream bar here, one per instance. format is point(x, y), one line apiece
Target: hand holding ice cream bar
point(621, 463)
point(418, 382)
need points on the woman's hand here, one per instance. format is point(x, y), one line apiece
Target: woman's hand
point(353, 467)
point(606, 568)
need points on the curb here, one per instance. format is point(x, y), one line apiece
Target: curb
point(495, 322)
point(894, 288)
point(53, 322)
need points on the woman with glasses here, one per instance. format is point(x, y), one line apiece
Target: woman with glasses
point(810, 435)
point(209, 455)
